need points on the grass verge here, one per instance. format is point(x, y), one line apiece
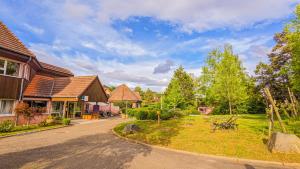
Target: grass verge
point(194, 134)
point(32, 128)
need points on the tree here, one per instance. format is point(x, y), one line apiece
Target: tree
point(283, 72)
point(224, 81)
point(180, 91)
point(140, 91)
point(276, 75)
point(149, 96)
point(25, 110)
point(293, 39)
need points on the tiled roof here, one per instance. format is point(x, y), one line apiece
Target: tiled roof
point(43, 86)
point(138, 95)
point(56, 69)
point(71, 86)
point(123, 93)
point(10, 42)
point(40, 86)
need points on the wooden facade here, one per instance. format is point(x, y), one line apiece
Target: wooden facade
point(10, 87)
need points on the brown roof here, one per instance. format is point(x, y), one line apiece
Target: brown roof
point(138, 95)
point(43, 86)
point(56, 69)
point(71, 86)
point(40, 86)
point(123, 93)
point(10, 42)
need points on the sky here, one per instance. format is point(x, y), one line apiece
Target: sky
point(142, 42)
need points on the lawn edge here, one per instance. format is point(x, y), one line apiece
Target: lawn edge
point(35, 131)
point(207, 155)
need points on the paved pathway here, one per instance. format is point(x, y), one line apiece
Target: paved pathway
point(92, 145)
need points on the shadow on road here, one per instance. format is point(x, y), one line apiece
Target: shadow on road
point(93, 151)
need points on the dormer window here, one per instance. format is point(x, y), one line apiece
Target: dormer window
point(9, 68)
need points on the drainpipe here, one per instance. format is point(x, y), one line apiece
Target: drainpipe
point(22, 82)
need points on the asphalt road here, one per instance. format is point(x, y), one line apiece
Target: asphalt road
point(93, 145)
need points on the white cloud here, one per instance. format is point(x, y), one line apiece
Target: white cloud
point(195, 15)
point(34, 29)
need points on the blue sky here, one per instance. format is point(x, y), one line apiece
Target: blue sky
point(142, 42)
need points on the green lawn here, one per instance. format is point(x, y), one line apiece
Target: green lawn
point(31, 128)
point(194, 134)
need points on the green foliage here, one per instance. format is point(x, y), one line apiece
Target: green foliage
point(293, 43)
point(66, 121)
point(141, 114)
point(43, 123)
point(150, 113)
point(7, 126)
point(223, 83)
point(180, 91)
point(190, 111)
point(276, 75)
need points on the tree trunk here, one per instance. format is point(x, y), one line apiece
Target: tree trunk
point(267, 92)
point(230, 108)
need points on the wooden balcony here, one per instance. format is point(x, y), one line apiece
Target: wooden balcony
point(10, 87)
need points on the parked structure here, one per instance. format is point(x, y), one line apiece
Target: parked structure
point(123, 94)
point(24, 79)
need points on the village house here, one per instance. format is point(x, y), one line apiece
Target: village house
point(52, 89)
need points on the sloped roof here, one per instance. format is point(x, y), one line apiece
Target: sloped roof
point(138, 95)
point(40, 86)
point(71, 86)
point(10, 42)
point(43, 86)
point(123, 93)
point(49, 67)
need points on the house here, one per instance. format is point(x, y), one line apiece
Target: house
point(123, 94)
point(52, 89)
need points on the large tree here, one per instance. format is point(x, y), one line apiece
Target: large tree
point(276, 75)
point(224, 80)
point(283, 71)
point(293, 39)
point(180, 91)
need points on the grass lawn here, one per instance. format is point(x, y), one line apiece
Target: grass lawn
point(194, 134)
point(31, 128)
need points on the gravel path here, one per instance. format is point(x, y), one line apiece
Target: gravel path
point(93, 145)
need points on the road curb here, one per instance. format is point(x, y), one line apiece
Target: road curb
point(31, 132)
point(238, 160)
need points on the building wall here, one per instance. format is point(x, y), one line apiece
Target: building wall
point(10, 87)
point(22, 120)
point(96, 92)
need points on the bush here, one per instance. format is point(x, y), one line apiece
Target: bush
point(141, 114)
point(7, 126)
point(66, 121)
point(131, 112)
point(43, 123)
point(190, 112)
point(152, 115)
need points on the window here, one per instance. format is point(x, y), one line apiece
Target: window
point(6, 107)
point(2, 63)
point(9, 68)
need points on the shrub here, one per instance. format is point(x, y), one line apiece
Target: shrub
point(131, 112)
point(152, 115)
point(43, 123)
point(141, 114)
point(66, 121)
point(7, 126)
point(190, 112)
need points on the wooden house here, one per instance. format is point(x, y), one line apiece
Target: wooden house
point(25, 79)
